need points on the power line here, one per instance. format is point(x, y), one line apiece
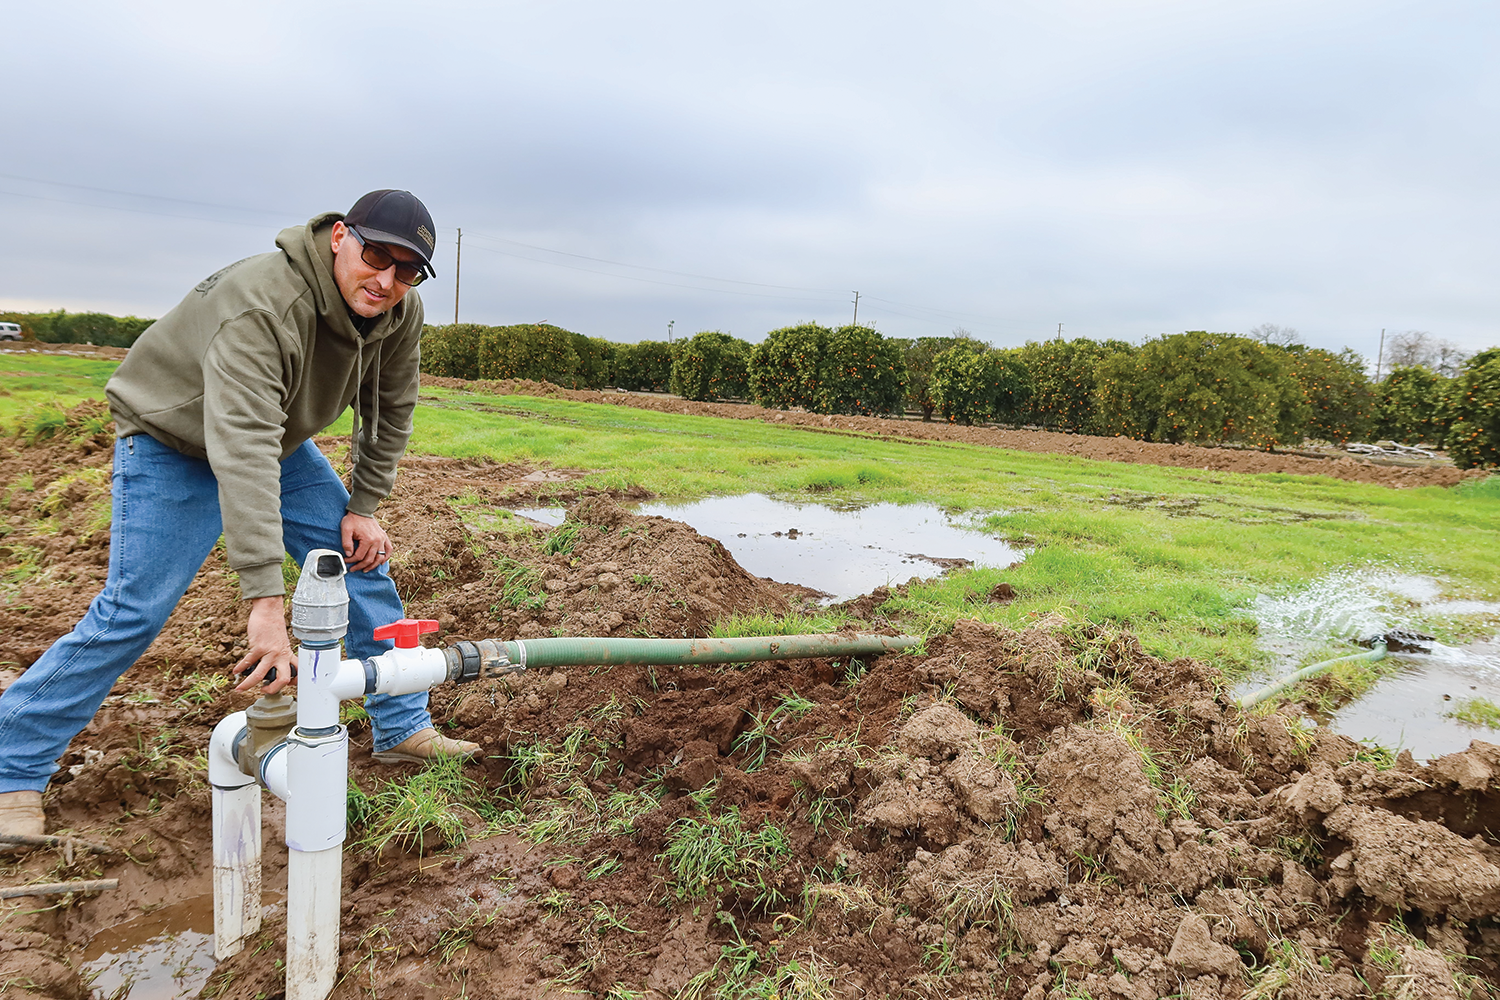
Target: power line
point(823, 295)
point(137, 194)
point(658, 270)
point(650, 281)
point(136, 211)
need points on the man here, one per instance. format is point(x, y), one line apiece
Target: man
point(215, 408)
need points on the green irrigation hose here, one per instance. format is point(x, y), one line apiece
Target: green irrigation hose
point(1255, 698)
point(490, 657)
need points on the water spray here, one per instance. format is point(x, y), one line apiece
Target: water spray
point(298, 750)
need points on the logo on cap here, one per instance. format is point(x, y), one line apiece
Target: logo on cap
point(426, 237)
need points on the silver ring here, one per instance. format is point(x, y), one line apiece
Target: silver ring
point(381, 552)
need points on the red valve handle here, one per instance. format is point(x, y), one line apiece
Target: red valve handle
point(406, 630)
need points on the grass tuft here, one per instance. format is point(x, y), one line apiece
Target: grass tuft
point(426, 810)
point(718, 856)
point(1476, 712)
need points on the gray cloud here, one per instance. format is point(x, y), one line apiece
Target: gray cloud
point(1126, 168)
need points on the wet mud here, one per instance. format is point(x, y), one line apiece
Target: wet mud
point(1040, 813)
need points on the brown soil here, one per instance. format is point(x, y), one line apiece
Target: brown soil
point(1108, 449)
point(1039, 813)
point(85, 350)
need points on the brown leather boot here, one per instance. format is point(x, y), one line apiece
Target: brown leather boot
point(425, 745)
point(20, 813)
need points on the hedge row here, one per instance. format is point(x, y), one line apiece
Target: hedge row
point(537, 351)
point(63, 327)
point(1462, 413)
point(1194, 387)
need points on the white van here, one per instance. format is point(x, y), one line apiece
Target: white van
point(10, 331)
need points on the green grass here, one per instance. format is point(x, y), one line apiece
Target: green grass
point(29, 381)
point(425, 810)
point(1173, 554)
point(1476, 712)
point(708, 856)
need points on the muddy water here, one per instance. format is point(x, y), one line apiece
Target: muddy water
point(841, 551)
point(1408, 709)
point(161, 955)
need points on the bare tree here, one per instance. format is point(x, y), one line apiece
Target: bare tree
point(1276, 336)
point(1418, 347)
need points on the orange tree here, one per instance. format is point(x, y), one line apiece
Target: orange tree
point(784, 366)
point(1338, 393)
point(644, 367)
point(1411, 406)
point(596, 361)
point(862, 372)
point(1474, 411)
point(972, 384)
point(452, 351)
point(849, 370)
point(919, 355)
point(711, 365)
point(1202, 387)
point(1064, 376)
point(537, 351)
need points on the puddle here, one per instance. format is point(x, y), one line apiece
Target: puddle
point(1408, 709)
point(843, 552)
point(161, 955)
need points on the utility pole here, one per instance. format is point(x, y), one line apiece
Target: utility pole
point(670, 323)
point(1381, 356)
point(1059, 331)
point(458, 265)
point(856, 309)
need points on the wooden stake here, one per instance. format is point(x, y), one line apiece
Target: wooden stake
point(57, 888)
point(47, 840)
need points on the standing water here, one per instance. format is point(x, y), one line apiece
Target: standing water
point(163, 954)
point(1410, 709)
point(841, 551)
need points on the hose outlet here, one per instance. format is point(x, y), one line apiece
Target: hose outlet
point(320, 605)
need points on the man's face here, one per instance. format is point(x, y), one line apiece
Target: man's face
point(369, 292)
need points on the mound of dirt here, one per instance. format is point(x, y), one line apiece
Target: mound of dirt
point(1108, 449)
point(1043, 813)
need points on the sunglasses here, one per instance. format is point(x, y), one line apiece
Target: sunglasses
point(407, 272)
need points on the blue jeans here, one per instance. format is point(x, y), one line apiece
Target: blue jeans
point(166, 521)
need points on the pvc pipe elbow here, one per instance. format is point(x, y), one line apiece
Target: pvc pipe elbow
point(223, 769)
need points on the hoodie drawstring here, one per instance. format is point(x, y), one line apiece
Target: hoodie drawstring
point(374, 426)
point(359, 384)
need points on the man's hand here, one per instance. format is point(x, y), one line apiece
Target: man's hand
point(366, 544)
point(269, 647)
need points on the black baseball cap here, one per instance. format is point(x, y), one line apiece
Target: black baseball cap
point(391, 216)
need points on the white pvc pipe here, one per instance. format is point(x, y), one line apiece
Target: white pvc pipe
point(317, 777)
point(273, 772)
point(317, 699)
point(407, 671)
point(236, 842)
point(314, 879)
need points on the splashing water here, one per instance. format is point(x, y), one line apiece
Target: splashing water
point(1410, 709)
point(1349, 604)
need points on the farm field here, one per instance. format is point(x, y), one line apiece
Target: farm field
point(1052, 797)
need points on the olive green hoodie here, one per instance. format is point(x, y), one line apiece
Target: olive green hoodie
point(254, 361)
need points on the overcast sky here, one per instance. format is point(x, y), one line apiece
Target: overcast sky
point(1124, 167)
